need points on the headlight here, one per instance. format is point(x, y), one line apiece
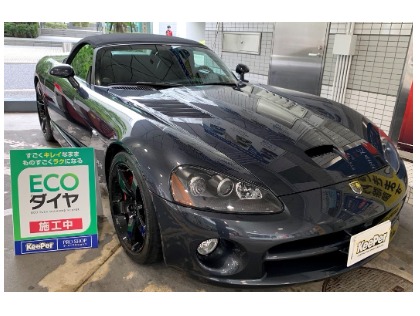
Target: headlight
point(390, 153)
point(205, 189)
point(388, 149)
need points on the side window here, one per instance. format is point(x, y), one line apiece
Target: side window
point(82, 61)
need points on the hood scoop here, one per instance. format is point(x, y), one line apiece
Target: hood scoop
point(173, 108)
point(325, 155)
point(320, 150)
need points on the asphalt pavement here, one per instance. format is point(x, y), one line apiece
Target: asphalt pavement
point(19, 68)
point(19, 81)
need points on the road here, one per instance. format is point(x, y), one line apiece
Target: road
point(19, 68)
point(18, 81)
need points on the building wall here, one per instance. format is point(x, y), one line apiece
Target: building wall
point(195, 30)
point(376, 69)
point(375, 72)
point(258, 64)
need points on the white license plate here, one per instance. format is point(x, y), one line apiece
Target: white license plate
point(369, 242)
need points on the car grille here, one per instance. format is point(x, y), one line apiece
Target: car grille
point(320, 253)
point(323, 253)
point(327, 262)
point(174, 108)
point(309, 247)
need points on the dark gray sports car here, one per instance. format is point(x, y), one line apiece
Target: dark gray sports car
point(236, 183)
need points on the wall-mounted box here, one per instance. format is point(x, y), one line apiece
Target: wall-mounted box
point(241, 42)
point(344, 44)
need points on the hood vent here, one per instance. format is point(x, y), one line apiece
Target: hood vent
point(143, 88)
point(173, 108)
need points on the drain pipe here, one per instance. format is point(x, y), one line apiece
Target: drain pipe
point(349, 58)
point(334, 85)
point(219, 25)
point(344, 48)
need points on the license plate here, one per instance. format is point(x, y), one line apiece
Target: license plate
point(369, 242)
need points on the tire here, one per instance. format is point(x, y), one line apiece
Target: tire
point(132, 211)
point(44, 117)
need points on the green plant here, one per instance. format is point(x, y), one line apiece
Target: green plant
point(21, 29)
point(82, 62)
point(121, 27)
point(81, 24)
point(8, 29)
point(55, 25)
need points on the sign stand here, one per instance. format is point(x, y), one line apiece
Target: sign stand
point(53, 199)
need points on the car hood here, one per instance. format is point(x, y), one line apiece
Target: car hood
point(290, 141)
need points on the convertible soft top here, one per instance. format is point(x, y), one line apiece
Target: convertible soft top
point(129, 38)
point(124, 38)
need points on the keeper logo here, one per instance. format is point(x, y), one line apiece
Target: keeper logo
point(368, 244)
point(39, 246)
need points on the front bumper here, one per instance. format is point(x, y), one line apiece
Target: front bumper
point(309, 241)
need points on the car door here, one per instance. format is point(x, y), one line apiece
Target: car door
point(82, 112)
point(95, 122)
point(67, 112)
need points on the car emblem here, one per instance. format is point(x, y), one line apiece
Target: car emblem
point(356, 187)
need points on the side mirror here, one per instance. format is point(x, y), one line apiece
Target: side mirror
point(62, 71)
point(241, 70)
point(67, 72)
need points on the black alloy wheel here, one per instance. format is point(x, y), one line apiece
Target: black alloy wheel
point(44, 118)
point(132, 211)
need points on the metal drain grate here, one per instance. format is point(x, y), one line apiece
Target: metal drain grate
point(367, 280)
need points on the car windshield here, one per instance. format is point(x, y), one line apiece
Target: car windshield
point(161, 65)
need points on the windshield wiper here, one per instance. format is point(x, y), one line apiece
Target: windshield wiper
point(159, 84)
point(236, 86)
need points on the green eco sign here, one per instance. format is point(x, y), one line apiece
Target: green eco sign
point(33, 182)
point(54, 199)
